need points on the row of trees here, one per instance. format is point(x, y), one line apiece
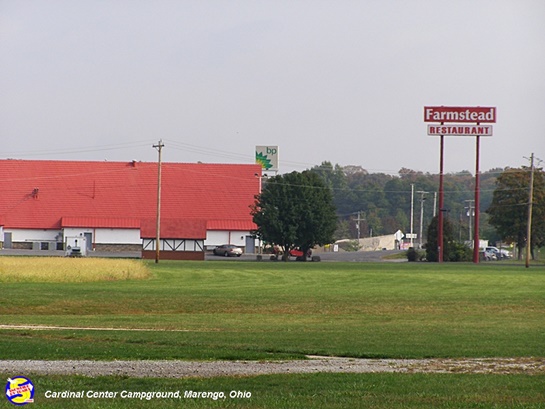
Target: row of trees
point(384, 200)
point(320, 205)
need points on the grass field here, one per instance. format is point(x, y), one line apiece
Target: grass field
point(250, 310)
point(247, 310)
point(316, 391)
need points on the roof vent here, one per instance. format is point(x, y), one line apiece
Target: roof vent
point(35, 192)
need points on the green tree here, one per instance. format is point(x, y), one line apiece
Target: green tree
point(385, 200)
point(452, 250)
point(295, 210)
point(509, 208)
point(335, 178)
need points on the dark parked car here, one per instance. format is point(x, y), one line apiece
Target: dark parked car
point(228, 250)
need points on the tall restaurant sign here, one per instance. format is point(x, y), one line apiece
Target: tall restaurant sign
point(449, 120)
point(460, 114)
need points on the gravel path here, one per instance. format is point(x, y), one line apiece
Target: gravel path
point(183, 369)
point(314, 364)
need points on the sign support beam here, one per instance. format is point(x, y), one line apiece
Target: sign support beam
point(440, 220)
point(477, 204)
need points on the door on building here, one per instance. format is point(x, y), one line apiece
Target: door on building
point(7, 240)
point(250, 244)
point(89, 240)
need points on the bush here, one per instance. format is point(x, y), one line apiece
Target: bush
point(459, 252)
point(453, 250)
point(412, 254)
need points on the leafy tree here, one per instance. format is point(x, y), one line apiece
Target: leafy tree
point(334, 177)
point(452, 250)
point(509, 208)
point(295, 210)
point(342, 231)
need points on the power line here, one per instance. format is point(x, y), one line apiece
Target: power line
point(67, 151)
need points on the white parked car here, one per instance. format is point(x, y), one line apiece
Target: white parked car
point(228, 250)
point(500, 254)
point(489, 255)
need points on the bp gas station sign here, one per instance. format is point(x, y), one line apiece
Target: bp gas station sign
point(267, 157)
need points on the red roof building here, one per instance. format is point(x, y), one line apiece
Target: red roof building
point(47, 200)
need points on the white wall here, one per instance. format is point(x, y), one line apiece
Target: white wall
point(216, 238)
point(107, 236)
point(118, 236)
point(219, 237)
point(18, 235)
point(122, 236)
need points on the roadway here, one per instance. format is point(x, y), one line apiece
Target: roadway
point(349, 256)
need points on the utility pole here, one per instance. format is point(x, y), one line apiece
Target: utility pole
point(358, 220)
point(159, 148)
point(422, 198)
point(434, 204)
point(412, 212)
point(470, 212)
point(530, 205)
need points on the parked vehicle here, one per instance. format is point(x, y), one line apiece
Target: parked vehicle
point(488, 255)
point(228, 250)
point(298, 253)
point(500, 254)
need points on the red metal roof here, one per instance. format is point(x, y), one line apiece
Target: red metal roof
point(118, 223)
point(232, 225)
point(49, 194)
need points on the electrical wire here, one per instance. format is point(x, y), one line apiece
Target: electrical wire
point(67, 151)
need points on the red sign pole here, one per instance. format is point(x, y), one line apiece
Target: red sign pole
point(441, 203)
point(477, 206)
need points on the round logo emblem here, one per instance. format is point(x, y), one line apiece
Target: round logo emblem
point(20, 390)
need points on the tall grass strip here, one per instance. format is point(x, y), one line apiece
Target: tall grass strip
point(70, 270)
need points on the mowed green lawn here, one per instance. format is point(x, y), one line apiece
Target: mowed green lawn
point(251, 310)
point(312, 391)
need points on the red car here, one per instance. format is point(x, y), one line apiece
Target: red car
point(299, 253)
point(296, 253)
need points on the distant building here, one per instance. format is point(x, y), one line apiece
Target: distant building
point(386, 242)
point(113, 205)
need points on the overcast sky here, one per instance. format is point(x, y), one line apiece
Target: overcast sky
point(336, 80)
